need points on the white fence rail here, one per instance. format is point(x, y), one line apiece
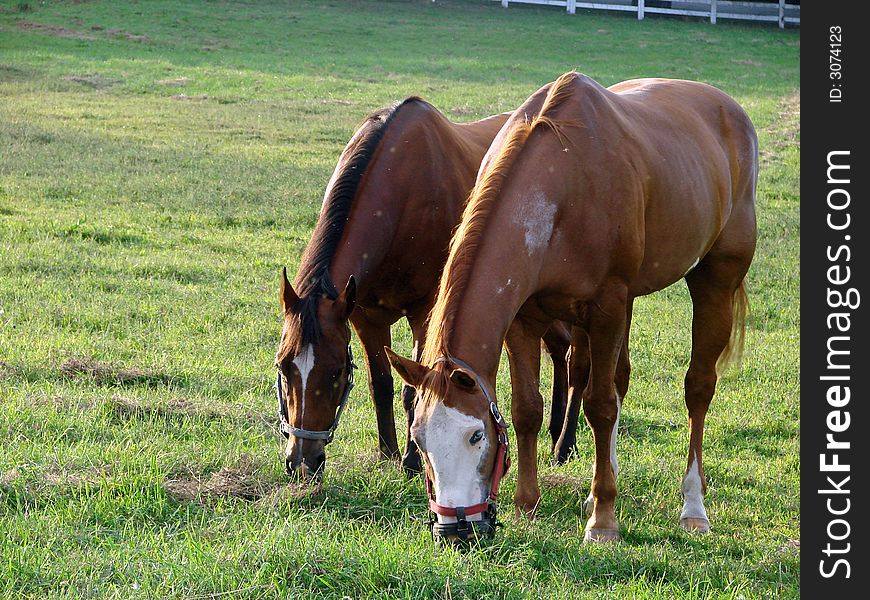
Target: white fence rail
point(780, 12)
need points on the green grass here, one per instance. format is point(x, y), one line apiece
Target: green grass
point(161, 161)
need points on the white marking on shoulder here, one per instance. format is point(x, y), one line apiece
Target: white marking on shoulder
point(536, 216)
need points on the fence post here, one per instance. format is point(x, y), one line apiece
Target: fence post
point(782, 14)
point(640, 10)
point(572, 6)
point(713, 11)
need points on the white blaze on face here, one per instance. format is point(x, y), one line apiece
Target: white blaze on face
point(693, 493)
point(455, 463)
point(536, 215)
point(304, 364)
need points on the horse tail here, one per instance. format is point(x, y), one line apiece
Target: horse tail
point(733, 353)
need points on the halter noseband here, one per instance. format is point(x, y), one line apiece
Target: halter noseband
point(463, 528)
point(306, 434)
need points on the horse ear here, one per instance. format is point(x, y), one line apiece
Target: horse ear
point(288, 296)
point(463, 379)
point(410, 371)
point(347, 299)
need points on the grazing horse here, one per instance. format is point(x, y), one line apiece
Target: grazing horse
point(588, 198)
point(383, 233)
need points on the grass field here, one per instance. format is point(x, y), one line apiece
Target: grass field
point(161, 161)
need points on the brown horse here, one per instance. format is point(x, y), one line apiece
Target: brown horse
point(588, 198)
point(383, 233)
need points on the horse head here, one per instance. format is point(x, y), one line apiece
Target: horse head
point(315, 373)
point(463, 440)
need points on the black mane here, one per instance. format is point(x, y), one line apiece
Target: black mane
point(313, 280)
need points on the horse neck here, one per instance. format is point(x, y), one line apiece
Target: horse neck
point(407, 180)
point(482, 132)
point(485, 308)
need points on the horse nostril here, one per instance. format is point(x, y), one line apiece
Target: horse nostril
point(288, 464)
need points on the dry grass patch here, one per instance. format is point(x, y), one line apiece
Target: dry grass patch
point(93, 80)
point(100, 372)
point(239, 481)
point(54, 30)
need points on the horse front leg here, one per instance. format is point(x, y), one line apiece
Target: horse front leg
point(411, 460)
point(523, 343)
point(601, 405)
point(374, 337)
point(622, 377)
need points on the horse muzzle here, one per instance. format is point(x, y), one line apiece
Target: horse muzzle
point(306, 469)
point(465, 532)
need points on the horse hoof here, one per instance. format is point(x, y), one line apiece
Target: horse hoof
point(587, 506)
point(412, 465)
point(600, 536)
point(561, 455)
point(694, 524)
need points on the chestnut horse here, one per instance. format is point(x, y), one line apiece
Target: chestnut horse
point(383, 233)
point(588, 198)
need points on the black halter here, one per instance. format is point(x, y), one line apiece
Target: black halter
point(464, 529)
point(306, 434)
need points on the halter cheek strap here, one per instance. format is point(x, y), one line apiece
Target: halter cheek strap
point(307, 434)
point(502, 463)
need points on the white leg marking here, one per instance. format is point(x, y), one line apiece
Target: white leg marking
point(693, 493)
point(455, 463)
point(614, 463)
point(304, 363)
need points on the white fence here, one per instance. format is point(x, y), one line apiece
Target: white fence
point(780, 12)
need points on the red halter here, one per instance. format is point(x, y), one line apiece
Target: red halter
point(499, 468)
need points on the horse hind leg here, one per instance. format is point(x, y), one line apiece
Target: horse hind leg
point(578, 376)
point(716, 287)
point(557, 340)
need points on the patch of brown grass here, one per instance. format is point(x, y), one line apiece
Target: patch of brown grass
point(187, 98)
point(54, 30)
point(239, 481)
point(574, 484)
point(77, 477)
point(100, 372)
point(93, 80)
point(59, 31)
point(120, 33)
point(9, 477)
point(177, 82)
point(6, 370)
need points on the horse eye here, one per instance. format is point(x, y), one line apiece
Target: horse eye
point(476, 437)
